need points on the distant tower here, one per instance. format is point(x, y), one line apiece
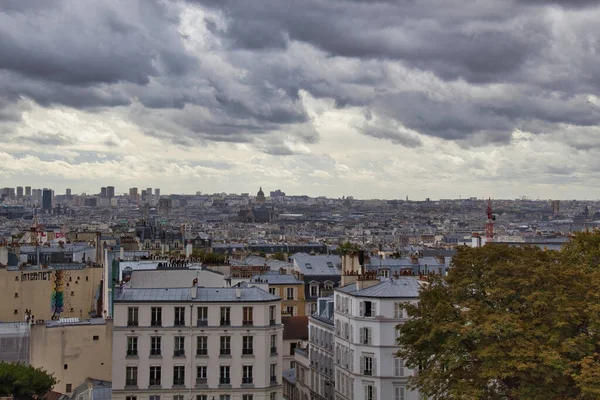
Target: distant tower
point(260, 196)
point(489, 225)
point(68, 192)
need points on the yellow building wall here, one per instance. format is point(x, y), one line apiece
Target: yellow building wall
point(84, 349)
point(32, 290)
point(299, 303)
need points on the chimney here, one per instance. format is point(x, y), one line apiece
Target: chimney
point(188, 250)
point(238, 293)
point(122, 253)
point(194, 292)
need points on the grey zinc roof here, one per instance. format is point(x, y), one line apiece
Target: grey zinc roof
point(318, 264)
point(403, 287)
point(175, 295)
point(289, 375)
point(277, 279)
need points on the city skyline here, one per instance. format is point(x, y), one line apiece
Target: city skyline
point(424, 98)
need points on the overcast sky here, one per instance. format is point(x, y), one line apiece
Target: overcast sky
point(373, 99)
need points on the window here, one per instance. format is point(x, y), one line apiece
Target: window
point(225, 377)
point(225, 345)
point(273, 344)
point(132, 348)
point(293, 348)
point(366, 365)
point(247, 375)
point(247, 345)
point(368, 309)
point(290, 293)
point(130, 397)
point(314, 290)
point(225, 316)
point(69, 388)
point(248, 317)
point(202, 316)
point(178, 396)
point(398, 367)
point(247, 397)
point(273, 396)
point(131, 376)
point(96, 337)
point(154, 397)
point(179, 316)
point(272, 315)
point(179, 346)
point(202, 345)
point(385, 273)
point(313, 308)
point(201, 397)
point(399, 393)
point(155, 345)
point(65, 366)
point(225, 397)
point(156, 316)
point(178, 375)
point(16, 294)
point(155, 376)
point(289, 310)
point(132, 316)
point(273, 373)
point(201, 375)
point(370, 392)
point(365, 336)
point(273, 291)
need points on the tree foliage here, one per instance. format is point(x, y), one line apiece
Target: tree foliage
point(347, 248)
point(24, 382)
point(209, 258)
point(279, 256)
point(509, 323)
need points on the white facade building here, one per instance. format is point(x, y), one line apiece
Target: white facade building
point(321, 345)
point(197, 343)
point(366, 315)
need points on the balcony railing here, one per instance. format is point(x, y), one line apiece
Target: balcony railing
point(179, 322)
point(247, 322)
point(179, 353)
point(202, 352)
point(133, 322)
point(225, 322)
point(247, 381)
point(178, 382)
point(273, 379)
point(272, 322)
point(273, 350)
point(224, 381)
point(201, 381)
point(155, 352)
point(154, 382)
point(130, 382)
point(202, 322)
point(368, 372)
point(225, 352)
point(156, 323)
point(132, 353)
point(247, 352)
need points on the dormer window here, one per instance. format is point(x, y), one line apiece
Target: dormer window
point(308, 266)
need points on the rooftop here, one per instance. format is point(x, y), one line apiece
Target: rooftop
point(402, 287)
point(277, 279)
point(181, 295)
point(318, 264)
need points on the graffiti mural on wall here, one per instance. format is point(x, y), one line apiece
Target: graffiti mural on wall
point(58, 294)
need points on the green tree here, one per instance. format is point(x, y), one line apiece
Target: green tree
point(507, 323)
point(346, 248)
point(279, 256)
point(24, 382)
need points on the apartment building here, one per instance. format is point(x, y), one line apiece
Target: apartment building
point(197, 343)
point(289, 288)
point(367, 313)
point(321, 345)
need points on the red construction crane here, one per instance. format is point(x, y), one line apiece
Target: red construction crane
point(489, 225)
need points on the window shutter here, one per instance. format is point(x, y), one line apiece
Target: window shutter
point(362, 365)
point(374, 361)
point(366, 390)
point(396, 310)
point(396, 367)
point(361, 308)
point(373, 309)
point(362, 335)
point(374, 392)
point(401, 365)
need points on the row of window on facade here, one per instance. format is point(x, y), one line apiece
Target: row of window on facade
point(155, 378)
point(273, 396)
point(368, 363)
point(367, 308)
point(201, 316)
point(201, 345)
point(321, 337)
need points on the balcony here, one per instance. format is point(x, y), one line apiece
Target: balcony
point(247, 352)
point(201, 352)
point(130, 382)
point(132, 323)
point(155, 353)
point(156, 323)
point(368, 372)
point(179, 353)
point(201, 381)
point(224, 381)
point(179, 322)
point(178, 382)
point(247, 323)
point(202, 322)
point(154, 383)
point(225, 322)
point(225, 352)
point(247, 381)
point(132, 353)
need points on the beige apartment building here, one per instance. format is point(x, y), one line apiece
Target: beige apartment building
point(197, 343)
point(72, 350)
point(35, 289)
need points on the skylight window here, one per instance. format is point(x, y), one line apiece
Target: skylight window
point(308, 266)
point(329, 264)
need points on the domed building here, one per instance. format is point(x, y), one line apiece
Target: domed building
point(260, 196)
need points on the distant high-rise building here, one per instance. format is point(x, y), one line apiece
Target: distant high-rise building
point(19, 192)
point(68, 192)
point(28, 191)
point(47, 199)
point(148, 191)
point(8, 193)
point(133, 193)
point(103, 192)
point(277, 193)
point(110, 192)
point(157, 195)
